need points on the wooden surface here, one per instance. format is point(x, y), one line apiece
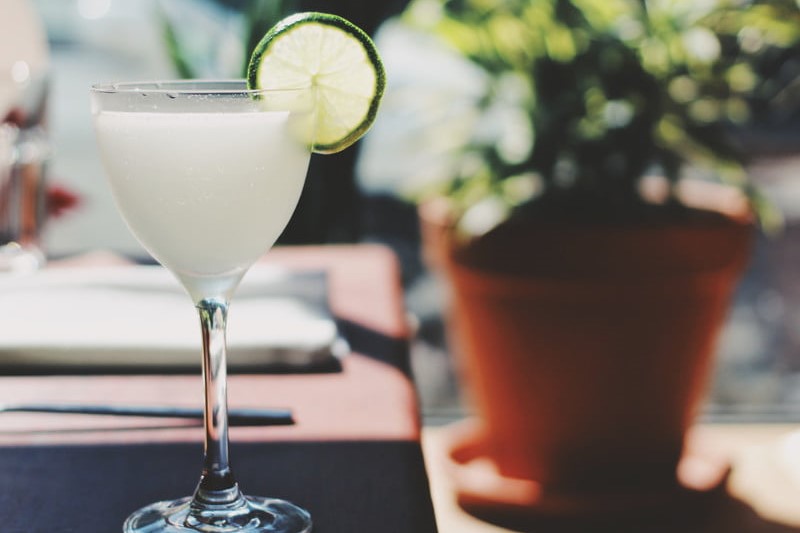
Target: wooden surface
point(369, 399)
point(763, 489)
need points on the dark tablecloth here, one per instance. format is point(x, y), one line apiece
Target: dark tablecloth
point(347, 486)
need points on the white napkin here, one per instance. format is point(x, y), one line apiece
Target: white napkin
point(140, 315)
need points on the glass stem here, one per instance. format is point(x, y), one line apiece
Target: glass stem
point(217, 487)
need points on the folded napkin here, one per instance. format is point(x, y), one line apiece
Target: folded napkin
point(139, 316)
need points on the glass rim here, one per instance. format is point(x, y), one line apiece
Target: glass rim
point(238, 86)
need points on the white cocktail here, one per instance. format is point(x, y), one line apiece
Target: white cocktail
point(207, 175)
point(186, 180)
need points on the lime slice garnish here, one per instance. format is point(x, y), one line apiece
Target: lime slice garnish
point(337, 59)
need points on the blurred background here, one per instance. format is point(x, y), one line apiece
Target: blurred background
point(356, 196)
point(101, 40)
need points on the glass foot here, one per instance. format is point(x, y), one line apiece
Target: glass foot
point(20, 259)
point(257, 515)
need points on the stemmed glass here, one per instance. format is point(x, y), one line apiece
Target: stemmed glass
point(207, 174)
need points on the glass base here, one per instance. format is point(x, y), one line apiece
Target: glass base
point(20, 259)
point(258, 515)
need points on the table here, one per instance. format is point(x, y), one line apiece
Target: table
point(763, 492)
point(353, 458)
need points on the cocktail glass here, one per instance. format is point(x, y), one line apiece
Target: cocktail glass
point(207, 174)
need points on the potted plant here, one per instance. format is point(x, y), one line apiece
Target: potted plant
point(593, 217)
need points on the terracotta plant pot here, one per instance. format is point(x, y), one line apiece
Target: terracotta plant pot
point(586, 349)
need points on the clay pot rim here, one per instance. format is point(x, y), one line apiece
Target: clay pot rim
point(573, 249)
